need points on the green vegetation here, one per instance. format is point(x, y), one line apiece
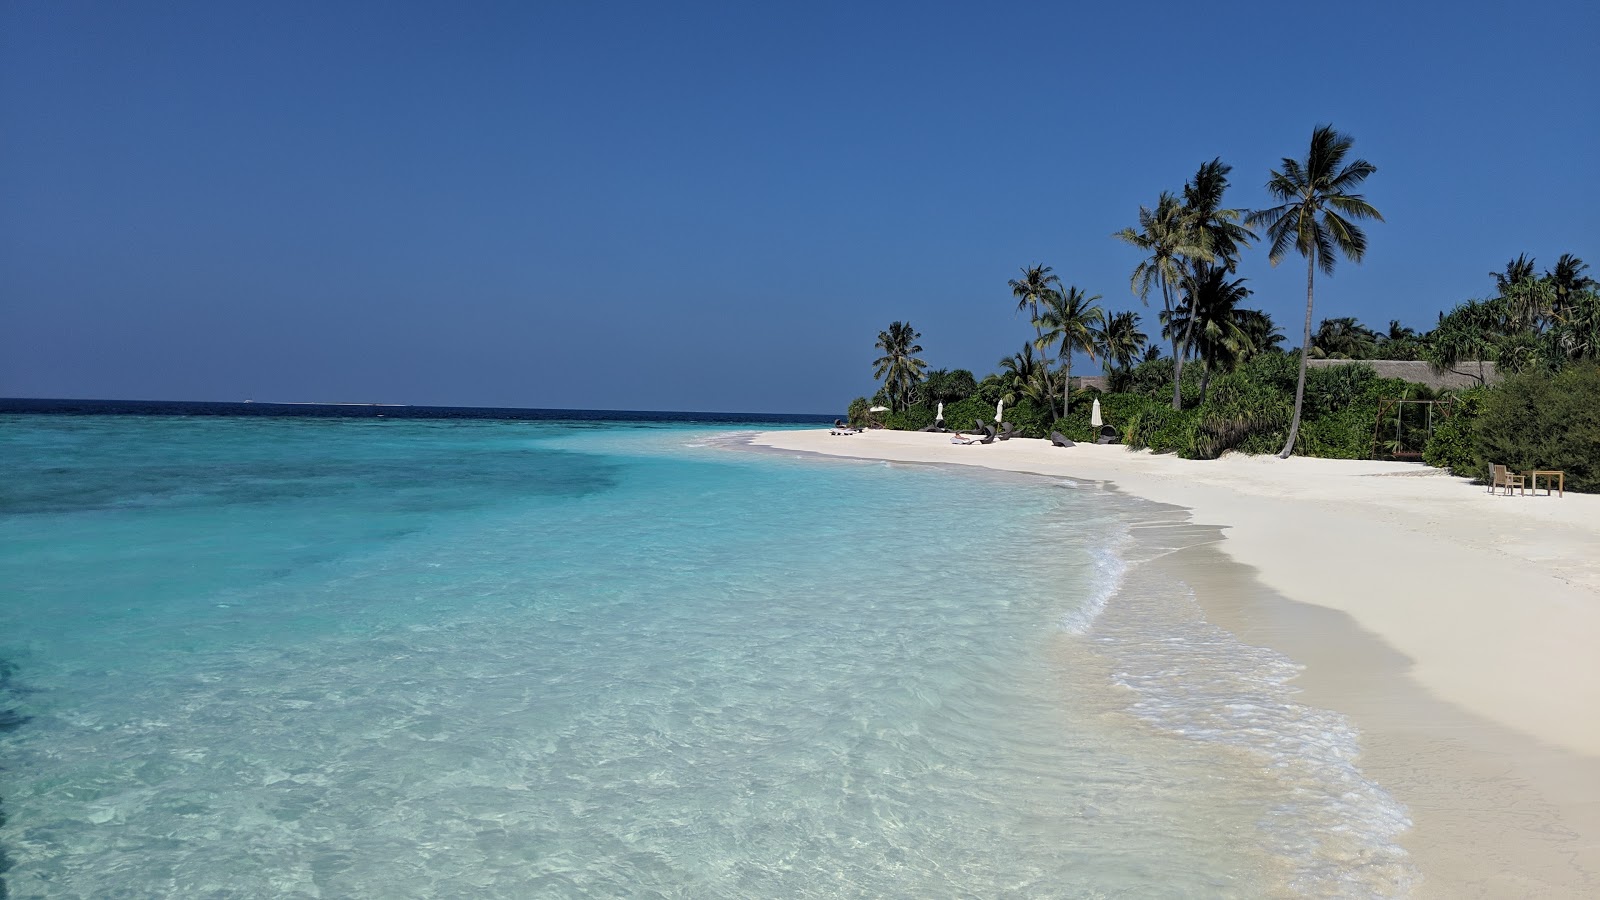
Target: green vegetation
point(1246, 394)
point(1540, 420)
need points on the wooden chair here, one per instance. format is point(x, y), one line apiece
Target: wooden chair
point(1501, 477)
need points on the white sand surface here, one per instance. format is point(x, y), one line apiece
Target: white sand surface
point(1486, 705)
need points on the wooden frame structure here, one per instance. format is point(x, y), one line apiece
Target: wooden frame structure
point(1397, 407)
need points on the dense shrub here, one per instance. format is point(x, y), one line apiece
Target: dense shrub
point(961, 415)
point(1540, 421)
point(857, 414)
point(1162, 429)
point(1030, 419)
point(1245, 411)
point(1451, 445)
point(913, 418)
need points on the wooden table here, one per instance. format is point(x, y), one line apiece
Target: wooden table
point(1548, 474)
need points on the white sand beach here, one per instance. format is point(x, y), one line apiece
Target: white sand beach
point(1460, 630)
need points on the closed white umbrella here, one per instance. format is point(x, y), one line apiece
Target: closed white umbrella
point(939, 416)
point(998, 409)
point(1094, 415)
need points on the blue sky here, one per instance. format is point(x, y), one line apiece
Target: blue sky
point(715, 206)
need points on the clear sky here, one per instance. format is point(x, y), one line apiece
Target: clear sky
point(716, 206)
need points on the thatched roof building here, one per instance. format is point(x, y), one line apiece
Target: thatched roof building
point(1464, 375)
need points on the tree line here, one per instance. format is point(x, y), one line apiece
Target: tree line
point(1191, 245)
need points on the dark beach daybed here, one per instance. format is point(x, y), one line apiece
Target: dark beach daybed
point(1057, 439)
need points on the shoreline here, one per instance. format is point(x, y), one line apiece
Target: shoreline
point(1456, 629)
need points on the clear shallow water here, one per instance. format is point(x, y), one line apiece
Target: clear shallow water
point(334, 658)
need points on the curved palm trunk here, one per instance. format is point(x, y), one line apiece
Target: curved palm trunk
point(1177, 357)
point(1188, 335)
point(1305, 354)
point(1066, 383)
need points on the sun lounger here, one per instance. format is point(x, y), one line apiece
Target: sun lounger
point(839, 427)
point(1007, 431)
point(1057, 439)
point(1501, 477)
point(1108, 435)
point(983, 434)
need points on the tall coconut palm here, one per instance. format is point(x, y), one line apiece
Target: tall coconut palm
point(899, 366)
point(1202, 197)
point(1170, 236)
point(1032, 288)
point(1068, 321)
point(1316, 218)
point(1120, 343)
point(1209, 312)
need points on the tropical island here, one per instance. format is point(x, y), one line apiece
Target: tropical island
point(1512, 378)
point(1454, 624)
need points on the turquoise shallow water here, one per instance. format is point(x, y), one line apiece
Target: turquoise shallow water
point(336, 658)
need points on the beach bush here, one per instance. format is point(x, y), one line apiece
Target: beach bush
point(1245, 411)
point(1029, 418)
point(1162, 429)
point(961, 415)
point(1451, 445)
point(1543, 421)
point(1243, 415)
point(913, 418)
point(857, 414)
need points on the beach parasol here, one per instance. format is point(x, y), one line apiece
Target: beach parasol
point(1094, 415)
point(999, 408)
point(878, 409)
point(939, 416)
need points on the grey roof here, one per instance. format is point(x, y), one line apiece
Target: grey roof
point(1414, 371)
point(1464, 375)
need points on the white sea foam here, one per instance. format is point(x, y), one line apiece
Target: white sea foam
point(1336, 829)
point(1107, 570)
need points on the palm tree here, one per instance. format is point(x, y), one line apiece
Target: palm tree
point(899, 366)
point(1209, 311)
point(1398, 332)
point(1343, 338)
point(1519, 269)
point(1169, 235)
point(1567, 277)
point(1025, 377)
point(1202, 197)
point(1120, 342)
point(1264, 334)
point(1032, 288)
point(1469, 333)
point(1315, 218)
point(1069, 319)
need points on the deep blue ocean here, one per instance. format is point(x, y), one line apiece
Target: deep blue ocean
point(262, 651)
